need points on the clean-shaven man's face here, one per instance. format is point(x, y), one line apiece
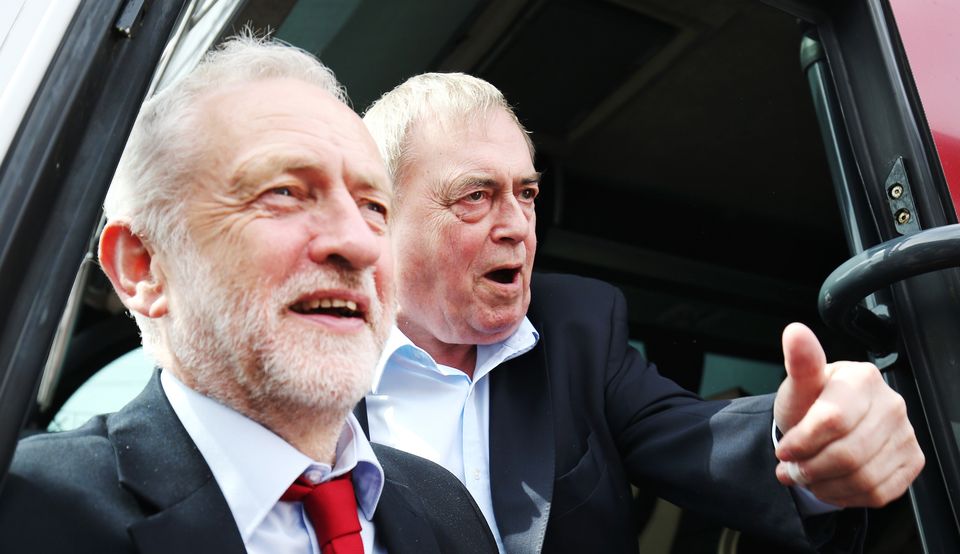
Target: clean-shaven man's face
point(464, 230)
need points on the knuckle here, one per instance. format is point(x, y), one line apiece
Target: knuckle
point(870, 371)
point(899, 407)
point(846, 459)
point(875, 499)
point(834, 421)
point(909, 439)
point(908, 445)
point(918, 462)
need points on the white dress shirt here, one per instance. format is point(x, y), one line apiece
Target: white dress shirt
point(440, 414)
point(253, 467)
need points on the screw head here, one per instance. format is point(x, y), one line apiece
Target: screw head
point(903, 216)
point(896, 190)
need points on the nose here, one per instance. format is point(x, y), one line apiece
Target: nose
point(343, 236)
point(512, 222)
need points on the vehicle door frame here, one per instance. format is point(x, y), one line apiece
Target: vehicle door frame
point(880, 118)
point(55, 174)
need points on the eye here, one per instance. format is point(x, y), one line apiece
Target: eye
point(477, 195)
point(528, 194)
point(374, 212)
point(281, 191)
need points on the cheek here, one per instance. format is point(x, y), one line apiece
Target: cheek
point(271, 248)
point(213, 221)
point(531, 243)
point(465, 245)
point(386, 275)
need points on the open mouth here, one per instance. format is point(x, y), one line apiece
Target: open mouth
point(336, 307)
point(504, 276)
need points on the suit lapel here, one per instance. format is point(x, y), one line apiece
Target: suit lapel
point(159, 463)
point(360, 412)
point(399, 523)
point(522, 449)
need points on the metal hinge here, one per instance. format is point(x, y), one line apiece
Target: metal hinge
point(900, 200)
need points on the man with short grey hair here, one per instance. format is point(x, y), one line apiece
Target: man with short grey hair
point(525, 387)
point(247, 233)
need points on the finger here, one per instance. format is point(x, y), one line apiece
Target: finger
point(892, 489)
point(791, 475)
point(844, 458)
point(875, 485)
point(842, 406)
point(885, 422)
point(860, 479)
point(805, 362)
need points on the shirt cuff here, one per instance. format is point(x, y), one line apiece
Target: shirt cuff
point(807, 504)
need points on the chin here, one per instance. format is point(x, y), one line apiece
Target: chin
point(494, 331)
point(333, 376)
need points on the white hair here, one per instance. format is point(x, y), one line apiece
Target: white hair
point(443, 98)
point(166, 143)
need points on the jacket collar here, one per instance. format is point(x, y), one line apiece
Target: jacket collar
point(160, 465)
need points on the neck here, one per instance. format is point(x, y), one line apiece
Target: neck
point(458, 356)
point(312, 430)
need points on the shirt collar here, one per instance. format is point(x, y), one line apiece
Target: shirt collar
point(253, 473)
point(489, 356)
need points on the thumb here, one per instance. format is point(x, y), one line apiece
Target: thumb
point(806, 375)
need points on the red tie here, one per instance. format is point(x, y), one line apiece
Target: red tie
point(332, 509)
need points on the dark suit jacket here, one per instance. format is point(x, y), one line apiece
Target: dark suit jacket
point(135, 482)
point(581, 416)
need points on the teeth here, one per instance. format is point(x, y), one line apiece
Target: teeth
point(311, 305)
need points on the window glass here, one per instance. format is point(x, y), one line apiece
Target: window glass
point(107, 391)
point(722, 374)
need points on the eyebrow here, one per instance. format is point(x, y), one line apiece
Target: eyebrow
point(535, 178)
point(259, 170)
point(473, 180)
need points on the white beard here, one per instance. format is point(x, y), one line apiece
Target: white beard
point(235, 340)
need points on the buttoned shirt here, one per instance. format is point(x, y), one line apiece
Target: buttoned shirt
point(253, 467)
point(438, 412)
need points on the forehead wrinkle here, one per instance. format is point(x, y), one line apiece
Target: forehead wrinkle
point(260, 169)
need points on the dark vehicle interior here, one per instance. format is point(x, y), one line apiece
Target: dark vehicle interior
point(682, 161)
point(679, 144)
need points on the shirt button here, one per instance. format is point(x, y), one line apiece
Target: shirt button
point(476, 475)
point(314, 475)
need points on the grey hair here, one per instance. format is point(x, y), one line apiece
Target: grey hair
point(165, 144)
point(438, 97)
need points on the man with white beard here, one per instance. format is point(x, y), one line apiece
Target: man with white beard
point(247, 234)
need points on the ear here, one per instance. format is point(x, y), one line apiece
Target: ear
point(129, 266)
